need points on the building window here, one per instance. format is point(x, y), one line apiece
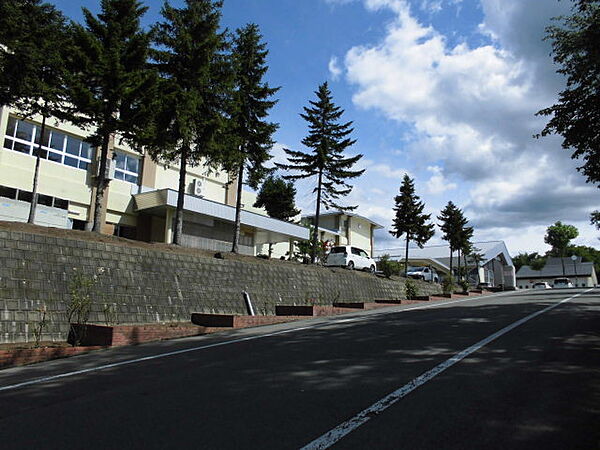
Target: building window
point(127, 167)
point(24, 137)
point(26, 196)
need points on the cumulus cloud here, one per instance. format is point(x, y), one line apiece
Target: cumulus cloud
point(334, 68)
point(438, 183)
point(471, 110)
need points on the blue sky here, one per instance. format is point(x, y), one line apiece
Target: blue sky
point(445, 90)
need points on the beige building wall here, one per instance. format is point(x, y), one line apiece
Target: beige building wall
point(55, 179)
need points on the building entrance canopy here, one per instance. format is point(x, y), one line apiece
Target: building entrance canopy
point(267, 229)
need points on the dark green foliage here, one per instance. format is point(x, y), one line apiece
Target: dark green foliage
point(111, 84)
point(410, 221)
point(448, 285)
point(595, 219)
point(251, 133)
point(327, 139)
point(411, 290)
point(277, 196)
point(588, 254)
point(576, 50)
point(34, 47)
point(533, 260)
point(194, 92)
point(456, 232)
point(389, 267)
point(559, 236)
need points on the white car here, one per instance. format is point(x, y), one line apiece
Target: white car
point(351, 258)
point(542, 285)
point(562, 283)
point(423, 273)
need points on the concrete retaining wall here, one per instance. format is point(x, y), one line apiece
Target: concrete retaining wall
point(137, 285)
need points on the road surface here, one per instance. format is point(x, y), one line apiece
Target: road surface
point(510, 371)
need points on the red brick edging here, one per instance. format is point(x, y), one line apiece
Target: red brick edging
point(23, 356)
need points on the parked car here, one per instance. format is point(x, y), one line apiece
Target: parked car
point(562, 283)
point(542, 285)
point(423, 273)
point(351, 258)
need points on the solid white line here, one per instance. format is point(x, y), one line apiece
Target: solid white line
point(218, 344)
point(331, 437)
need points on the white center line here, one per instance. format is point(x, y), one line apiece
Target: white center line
point(218, 344)
point(331, 437)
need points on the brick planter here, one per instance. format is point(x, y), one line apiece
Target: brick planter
point(118, 335)
point(310, 310)
point(235, 321)
point(21, 357)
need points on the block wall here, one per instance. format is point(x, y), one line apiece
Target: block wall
point(137, 285)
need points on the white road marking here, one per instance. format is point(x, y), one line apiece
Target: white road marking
point(218, 344)
point(331, 437)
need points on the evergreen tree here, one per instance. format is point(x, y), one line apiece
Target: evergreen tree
point(463, 240)
point(328, 139)
point(450, 228)
point(33, 49)
point(410, 221)
point(251, 105)
point(111, 83)
point(575, 44)
point(195, 93)
point(277, 196)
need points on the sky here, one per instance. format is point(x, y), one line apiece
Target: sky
point(444, 90)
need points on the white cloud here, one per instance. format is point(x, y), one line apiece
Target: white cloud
point(471, 111)
point(387, 171)
point(438, 183)
point(334, 68)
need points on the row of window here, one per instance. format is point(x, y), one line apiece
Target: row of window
point(26, 196)
point(24, 137)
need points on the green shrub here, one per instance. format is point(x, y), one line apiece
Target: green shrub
point(448, 286)
point(411, 290)
point(389, 267)
point(464, 284)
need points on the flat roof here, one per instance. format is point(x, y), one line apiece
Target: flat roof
point(163, 198)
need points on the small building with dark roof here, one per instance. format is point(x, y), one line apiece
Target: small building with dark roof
point(581, 274)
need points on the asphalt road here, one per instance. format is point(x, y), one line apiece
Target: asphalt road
point(514, 371)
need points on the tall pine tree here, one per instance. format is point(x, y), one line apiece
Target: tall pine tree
point(33, 50)
point(410, 221)
point(195, 92)
point(449, 226)
point(111, 83)
point(251, 105)
point(327, 139)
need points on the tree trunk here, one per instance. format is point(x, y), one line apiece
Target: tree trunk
point(406, 257)
point(180, 196)
point(270, 249)
point(36, 173)
point(315, 237)
point(238, 211)
point(562, 261)
point(466, 268)
point(458, 267)
point(451, 273)
point(101, 184)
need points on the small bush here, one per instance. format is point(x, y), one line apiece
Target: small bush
point(389, 267)
point(411, 290)
point(464, 284)
point(448, 286)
